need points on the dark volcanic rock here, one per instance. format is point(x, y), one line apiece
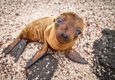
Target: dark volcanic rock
point(104, 56)
point(43, 69)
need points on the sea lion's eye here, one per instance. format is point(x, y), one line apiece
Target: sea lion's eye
point(78, 32)
point(59, 21)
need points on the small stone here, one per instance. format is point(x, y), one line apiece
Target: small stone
point(17, 14)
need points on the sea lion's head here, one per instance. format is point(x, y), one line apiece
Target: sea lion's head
point(68, 26)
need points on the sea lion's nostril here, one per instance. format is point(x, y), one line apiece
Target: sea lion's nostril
point(65, 36)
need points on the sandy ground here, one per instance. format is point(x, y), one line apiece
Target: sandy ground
point(15, 14)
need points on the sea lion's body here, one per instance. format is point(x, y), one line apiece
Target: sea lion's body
point(34, 31)
point(58, 33)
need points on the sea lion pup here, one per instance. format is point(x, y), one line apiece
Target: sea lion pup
point(58, 33)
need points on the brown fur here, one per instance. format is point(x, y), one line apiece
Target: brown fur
point(58, 33)
point(45, 30)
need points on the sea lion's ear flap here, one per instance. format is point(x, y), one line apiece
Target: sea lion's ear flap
point(59, 20)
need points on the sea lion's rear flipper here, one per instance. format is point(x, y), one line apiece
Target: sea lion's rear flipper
point(11, 46)
point(38, 55)
point(75, 56)
point(15, 48)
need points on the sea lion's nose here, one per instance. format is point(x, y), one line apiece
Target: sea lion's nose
point(64, 36)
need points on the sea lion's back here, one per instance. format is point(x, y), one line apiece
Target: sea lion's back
point(34, 31)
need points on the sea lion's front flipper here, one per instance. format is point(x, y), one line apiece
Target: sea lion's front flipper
point(38, 55)
point(75, 56)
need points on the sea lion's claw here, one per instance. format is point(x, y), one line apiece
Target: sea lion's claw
point(38, 55)
point(76, 57)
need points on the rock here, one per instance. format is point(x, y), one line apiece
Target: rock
point(43, 69)
point(104, 53)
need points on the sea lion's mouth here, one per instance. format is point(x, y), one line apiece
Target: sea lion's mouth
point(59, 40)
